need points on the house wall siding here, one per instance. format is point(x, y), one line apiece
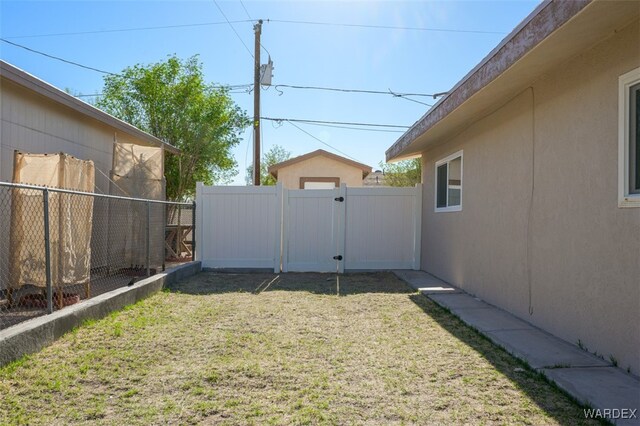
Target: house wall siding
point(540, 233)
point(32, 123)
point(319, 166)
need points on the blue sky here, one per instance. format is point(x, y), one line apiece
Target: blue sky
point(303, 54)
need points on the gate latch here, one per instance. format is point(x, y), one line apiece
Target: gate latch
point(338, 257)
point(341, 199)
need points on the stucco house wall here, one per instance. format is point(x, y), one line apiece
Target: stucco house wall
point(319, 168)
point(540, 233)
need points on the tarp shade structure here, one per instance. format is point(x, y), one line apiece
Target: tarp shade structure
point(137, 171)
point(70, 220)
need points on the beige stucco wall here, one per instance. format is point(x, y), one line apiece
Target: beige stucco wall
point(566, 258)
point(319, 166)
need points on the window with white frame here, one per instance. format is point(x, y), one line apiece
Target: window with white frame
point(629, 140)
point(448, 191)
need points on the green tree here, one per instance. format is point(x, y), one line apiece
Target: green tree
point(402, 173)
point(171, 101)
point(275, 155)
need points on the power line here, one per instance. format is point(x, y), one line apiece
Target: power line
point(233, 88)
point(409, 99)
point(362, 129)
point(245, 10)
point(238, 86)
point(406, 96)
point(253, 20)
point(343, 123)
point(234, 30)
point(119, 30)
point(387, 27)
point(375, 92)
point(320, 140)
point(57, 58)
point(202, 24)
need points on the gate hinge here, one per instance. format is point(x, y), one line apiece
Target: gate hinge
point(341, 199)
point(338, 257)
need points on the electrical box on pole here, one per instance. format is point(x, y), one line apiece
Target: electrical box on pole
point(266, 73)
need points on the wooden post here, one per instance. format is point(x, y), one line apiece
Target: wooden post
point(256, 104)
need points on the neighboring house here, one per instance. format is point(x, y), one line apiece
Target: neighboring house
point(375, 178)
point(319, 170)
point(40, 118)
point(532, 176)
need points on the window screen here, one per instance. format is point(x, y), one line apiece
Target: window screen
point(442, 186)
point(449, 182)
point(634, 140)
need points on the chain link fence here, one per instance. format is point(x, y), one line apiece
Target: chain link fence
point(58, 247)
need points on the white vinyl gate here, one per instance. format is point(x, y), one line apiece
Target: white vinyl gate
point(313, 223)
point(320, 230)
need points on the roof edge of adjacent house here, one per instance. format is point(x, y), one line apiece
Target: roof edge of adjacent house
point(275, 167)
point(544, 20)
point(31, 82)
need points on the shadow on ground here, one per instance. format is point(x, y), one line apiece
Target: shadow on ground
point(530, 382)
point(514, 369)
point(316, 283)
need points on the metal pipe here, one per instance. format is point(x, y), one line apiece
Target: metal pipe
point(179, 235)
point(164, 236)
point(148, 239)
point(47, 250)
point(91, 194)
point(193, 232)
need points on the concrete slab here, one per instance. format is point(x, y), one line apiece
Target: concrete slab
point(459, 301)
point(32, 335)
point(601, 388)
point(425, 282)
point(586, 377)
point(492, 320)
point(542, 350)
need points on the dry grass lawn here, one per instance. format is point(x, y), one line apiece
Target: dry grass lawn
point(263, 349)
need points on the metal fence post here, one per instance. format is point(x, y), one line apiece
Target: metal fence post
point(47, 250)
point(164, 234)
point(193, 232)
point(148, 239)
point(179, 235)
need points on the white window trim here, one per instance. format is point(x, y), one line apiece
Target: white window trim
point(625, 199)
point(435, 195)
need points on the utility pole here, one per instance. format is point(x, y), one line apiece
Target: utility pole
point(256, 104)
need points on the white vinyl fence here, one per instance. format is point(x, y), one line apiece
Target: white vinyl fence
point(383, 228)
point(323, 230)
point(238, 226)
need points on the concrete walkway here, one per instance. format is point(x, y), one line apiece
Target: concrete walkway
point(586, 377)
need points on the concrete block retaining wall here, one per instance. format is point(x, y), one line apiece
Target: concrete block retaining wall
point(32, 335)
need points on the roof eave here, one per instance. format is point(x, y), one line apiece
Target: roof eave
point(273, 169)
point(535, 28)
